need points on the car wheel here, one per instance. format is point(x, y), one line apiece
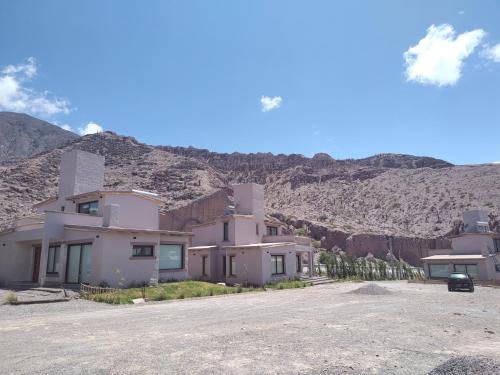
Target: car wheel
point(450, 289)
point(471, 290)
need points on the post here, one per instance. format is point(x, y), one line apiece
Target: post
point(44, 254)
point(310, 260)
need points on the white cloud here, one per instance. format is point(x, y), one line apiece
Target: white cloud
point(67, 127)
point(268, 104)
point(438, 58)
point(90, 128)
point(496, 162)
point(461, 12)
point(492, 53)
point(17, 97)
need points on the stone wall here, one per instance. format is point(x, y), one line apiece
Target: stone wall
point(200, 211)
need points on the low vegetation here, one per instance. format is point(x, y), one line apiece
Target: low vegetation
point(11, 297)
point(183, 289)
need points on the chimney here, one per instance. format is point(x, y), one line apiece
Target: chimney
point(249, 199)
point(80, 172)
point(111, 215)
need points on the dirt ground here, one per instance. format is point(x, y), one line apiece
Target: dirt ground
point(318, 330)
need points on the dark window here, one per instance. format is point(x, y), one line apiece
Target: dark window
point(497, 267)
point(142, 251)
point(272, 231)
point(277, 264)
point(497, 244)
point(204, 264)
point(257, 229)
point(89, 208)
point(226, 231)
point(232, 265)
point(53, 257)
point(224, 266)
point(299, 265)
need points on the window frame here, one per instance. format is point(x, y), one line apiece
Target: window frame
point(225, 231)
point(299, 263)
point(271, 230)
point(183, 255)
point(256, 229)
point(224, 266)
point(232, 265)
point(51, 269)
point(142, 247)
point(89, 203)
point(274, 259)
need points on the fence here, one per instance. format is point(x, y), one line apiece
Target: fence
point(88, 289)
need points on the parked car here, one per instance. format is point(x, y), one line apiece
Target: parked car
point(461, 281)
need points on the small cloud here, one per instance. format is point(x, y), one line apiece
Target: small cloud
point(496, 162)
point(316, 132)
point(461, 12)
point(438, 58)
point(16, 96)
point(492, 53)
point(268, 104)
point(67, 127)
point(90, 128)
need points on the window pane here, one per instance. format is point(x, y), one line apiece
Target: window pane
point(171, 257)
point(273, 264)
point(473, 271)
point(460, 268)
point(439, 270)
point(233, 265)
point(50, 261)
point(279, 264)
point(226, 232)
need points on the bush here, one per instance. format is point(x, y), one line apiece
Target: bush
point(11, 297)
point(239, 289)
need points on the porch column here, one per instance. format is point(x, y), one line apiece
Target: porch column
point(156, 270)
point(63, 258)
point(44, 254)
point(310, 261)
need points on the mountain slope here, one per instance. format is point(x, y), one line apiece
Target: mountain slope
point(22, 136)
point(385, 194)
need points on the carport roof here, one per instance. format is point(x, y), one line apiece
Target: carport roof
point(455, 257)
point(263, 244)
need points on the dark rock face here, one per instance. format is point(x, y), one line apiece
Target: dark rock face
point(22, 136)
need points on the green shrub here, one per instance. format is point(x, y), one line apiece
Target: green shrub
point(239, 289)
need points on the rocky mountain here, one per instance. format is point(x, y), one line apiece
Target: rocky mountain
point(350, 203)
point(22, 136)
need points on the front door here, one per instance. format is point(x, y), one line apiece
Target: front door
point(36, 263)
point(79, 263)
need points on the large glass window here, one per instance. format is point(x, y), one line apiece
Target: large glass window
point(470, 269)
point(53, 259)
point(171, 257)
point(272, 231)
point(438, 270)
point(142, 251)
point(226, 231)
point(277, 264)
point(90, 208)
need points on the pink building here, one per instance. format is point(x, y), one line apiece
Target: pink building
point(244, 246)
point(475, 251)
point(89, 235)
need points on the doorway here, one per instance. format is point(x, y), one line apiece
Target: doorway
point(36, 263)
point(79, 263)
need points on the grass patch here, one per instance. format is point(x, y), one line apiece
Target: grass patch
point(167, 291)
point(11, 297)
point(288, 284)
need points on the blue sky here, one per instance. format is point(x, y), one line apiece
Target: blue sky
point(271, 76)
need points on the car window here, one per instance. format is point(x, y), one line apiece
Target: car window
point(457, 276)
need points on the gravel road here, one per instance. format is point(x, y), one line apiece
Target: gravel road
point(317, 330)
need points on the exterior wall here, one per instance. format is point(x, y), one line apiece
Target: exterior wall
point(472, 244)
point(290, 263)
point(248, 266)
point(200, 211)
point(16, 259)
point(196, 265)
point(134, 212)
point(213, 234)
point(245, 231)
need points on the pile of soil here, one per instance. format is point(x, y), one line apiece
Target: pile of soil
point(468, 365)
point(371, 289)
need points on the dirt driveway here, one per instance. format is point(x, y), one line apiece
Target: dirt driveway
point(317, 330)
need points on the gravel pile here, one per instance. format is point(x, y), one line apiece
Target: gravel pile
point(371, 289)
point(468, 365)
